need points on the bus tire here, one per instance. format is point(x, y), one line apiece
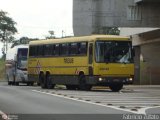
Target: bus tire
point(30, 83)
point(116, 87)
point(49, 84)
point(9, 82)
point(82, 83)
point(17, 83)
point(71, 87)
point(42, 80)
point(14, 82)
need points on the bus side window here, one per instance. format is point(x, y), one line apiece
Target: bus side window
point(64, 49)
point(73, 48)
point(53, 49)
point(83, 48)
point(31, 50)
point(57, 49)
point(48, 50)
point(40, 51)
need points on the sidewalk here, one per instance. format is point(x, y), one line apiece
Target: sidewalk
point(142, 86)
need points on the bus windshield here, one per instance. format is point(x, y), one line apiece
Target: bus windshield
point(22, 58)
point(114, 52)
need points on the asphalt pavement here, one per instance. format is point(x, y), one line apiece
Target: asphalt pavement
point(32, 100)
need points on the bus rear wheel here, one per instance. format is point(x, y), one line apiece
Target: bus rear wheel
point(49, 84)
point(116, 87)
point(71, 87)
point(82, 83)
point(30, 83)
point(42, 80)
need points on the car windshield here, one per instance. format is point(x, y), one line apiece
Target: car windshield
point(114, 52)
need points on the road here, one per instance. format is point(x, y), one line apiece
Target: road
point(34, 100)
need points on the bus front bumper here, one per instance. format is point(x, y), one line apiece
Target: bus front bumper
point(99, 80)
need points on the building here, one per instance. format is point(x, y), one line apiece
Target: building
point(90, 16)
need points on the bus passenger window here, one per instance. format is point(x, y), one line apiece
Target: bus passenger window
point(48, 50)
point(83, 48)
point(40, 51)
point(31, 51)
point(73, 48)
point(64, 49)
point(57, 50)
point(53, 50)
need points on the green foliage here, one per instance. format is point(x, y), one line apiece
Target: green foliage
point(107, 30)
point(7, 27)
point(111, 30)
point(23, 40)
point(7, 30)
point(2, 69)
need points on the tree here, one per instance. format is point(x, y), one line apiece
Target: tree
point(23, 40)
point(107, 30)
point(7, 30)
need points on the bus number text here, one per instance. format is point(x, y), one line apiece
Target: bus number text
point(68, 60)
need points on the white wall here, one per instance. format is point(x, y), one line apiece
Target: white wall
point(132, 31)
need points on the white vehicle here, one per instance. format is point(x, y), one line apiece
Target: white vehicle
point(16, 65)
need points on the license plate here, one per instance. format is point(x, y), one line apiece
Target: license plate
point(116, 80)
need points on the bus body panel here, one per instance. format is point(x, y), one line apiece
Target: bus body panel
point(110, 69)
point(58, 66)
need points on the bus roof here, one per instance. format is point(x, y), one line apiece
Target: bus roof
point(80, 39)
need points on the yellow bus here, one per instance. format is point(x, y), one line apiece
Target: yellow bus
point(82, 62)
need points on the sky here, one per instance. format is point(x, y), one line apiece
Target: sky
point(35, 18)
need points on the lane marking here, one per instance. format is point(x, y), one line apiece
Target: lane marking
point(76, 99)
point(131, 103)
point(143, 110)
point(3, 115)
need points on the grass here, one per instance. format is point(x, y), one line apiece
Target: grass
point(2, 69)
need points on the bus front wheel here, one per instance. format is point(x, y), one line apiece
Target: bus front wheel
point(116, 87)
point(71, 87)
point(82, 83)
point(9, 82)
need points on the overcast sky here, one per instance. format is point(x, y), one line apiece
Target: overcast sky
point(36, 17)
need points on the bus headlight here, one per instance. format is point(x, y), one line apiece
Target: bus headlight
point(130, 79)
point(100, 79)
